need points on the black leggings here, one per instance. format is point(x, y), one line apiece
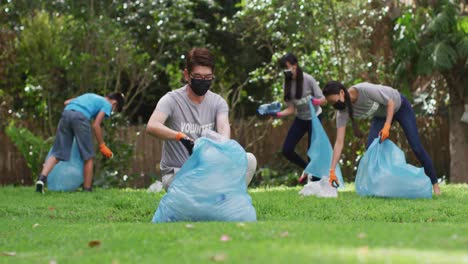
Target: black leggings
point(297, 130)
point(407, 120)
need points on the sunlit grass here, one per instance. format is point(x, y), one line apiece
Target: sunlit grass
point(290, 229)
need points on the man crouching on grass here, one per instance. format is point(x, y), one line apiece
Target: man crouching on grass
point(181, 116)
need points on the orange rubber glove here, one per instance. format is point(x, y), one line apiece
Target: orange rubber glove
point(105, 151)
point(186, 141)
point(385, 132)
point(333, 180)
point(180, 136)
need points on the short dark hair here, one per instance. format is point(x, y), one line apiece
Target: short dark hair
point(119, 97)
point(199, 57)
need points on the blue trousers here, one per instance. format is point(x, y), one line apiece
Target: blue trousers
point(297, 130)
point(407, 120)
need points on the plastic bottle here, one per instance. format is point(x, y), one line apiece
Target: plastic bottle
point(271, 108)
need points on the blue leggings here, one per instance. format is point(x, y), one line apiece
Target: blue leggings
point(407, 120)
point(297, 130)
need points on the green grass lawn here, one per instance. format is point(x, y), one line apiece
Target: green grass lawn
point(291, 229)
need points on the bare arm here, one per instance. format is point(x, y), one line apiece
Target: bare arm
point(97, 127)
point(156, 127)
point(222, 125)
point(339, 143)
point(323, 101)
point(318, 94)
point(390, 111)
point(288, 111)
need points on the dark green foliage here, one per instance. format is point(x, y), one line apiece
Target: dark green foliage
point(33, 148)
point(429, 40)
point(54, 50)
point(112, 172)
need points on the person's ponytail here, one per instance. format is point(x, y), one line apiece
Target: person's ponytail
point(349, 105)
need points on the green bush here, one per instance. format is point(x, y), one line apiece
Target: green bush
point(108, 172)
point(33, 148)
point(112, 172)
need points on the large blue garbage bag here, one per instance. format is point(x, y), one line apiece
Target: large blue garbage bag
point(383, 172)
point(210, 186)
point(67, 175)
point(321, 152)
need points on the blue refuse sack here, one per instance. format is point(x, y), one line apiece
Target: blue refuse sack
point(320, 152)
point(67, 175)
point(383, 172)
point(210, 186)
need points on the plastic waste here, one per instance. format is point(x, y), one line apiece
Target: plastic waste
point(155, 187)
point(270, 108)
point(66, 175)
point(383, 172)
point(321, 152)
point(320, 189)
point(213, 135)
point(210, 186)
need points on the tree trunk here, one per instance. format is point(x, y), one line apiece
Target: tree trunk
point(458, 131)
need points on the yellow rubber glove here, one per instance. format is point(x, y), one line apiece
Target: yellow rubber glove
point(385, 132)
point(105, 151)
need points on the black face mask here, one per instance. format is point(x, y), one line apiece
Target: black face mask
point(339, 105)
point(288, 74)
point(200, 87)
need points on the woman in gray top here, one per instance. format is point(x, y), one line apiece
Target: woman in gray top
point(299, 89)
point(384, 105)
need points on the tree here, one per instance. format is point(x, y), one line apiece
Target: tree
point(43, 58)
point(333, 40)
point(432, 40)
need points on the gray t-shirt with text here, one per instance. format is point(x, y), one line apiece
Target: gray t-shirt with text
point(372, 101)
point(189, 118)
point(309, 89)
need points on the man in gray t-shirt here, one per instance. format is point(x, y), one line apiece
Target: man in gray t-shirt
point(189, 118)
point(181, 116)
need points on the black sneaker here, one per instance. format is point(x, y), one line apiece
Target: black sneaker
point(40, 184)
